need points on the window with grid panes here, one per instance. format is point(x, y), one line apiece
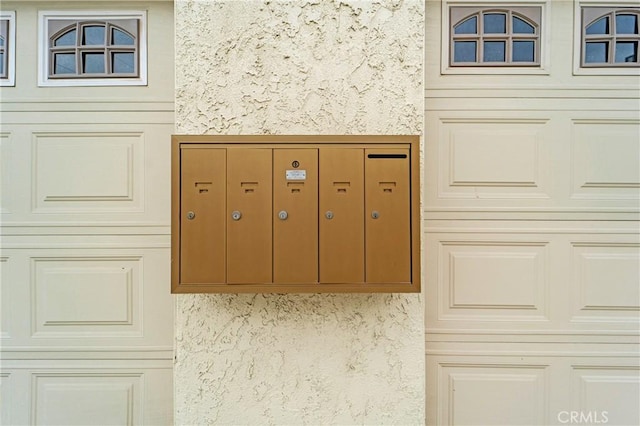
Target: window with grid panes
point(610, 37)
point(7, 48)
point(492, 36)
point(92, 48)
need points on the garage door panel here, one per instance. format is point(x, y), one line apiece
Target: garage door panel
point(531, 383)
point(523, 161)
point(87, 392)
point(7, 390)
point(606, 159)
point(504, 394)
point(5, 162)
point(532, 276)
point(80, 175)
point(87, 298)
point(98, 398)
point(79, 172)
point(608, 390)
point(492, 158)
point(79, 295)
point(605, 281)
point(495, 280)
point(7, 298)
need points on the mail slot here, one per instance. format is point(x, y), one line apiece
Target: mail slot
point(290, 214)
point(387, 202)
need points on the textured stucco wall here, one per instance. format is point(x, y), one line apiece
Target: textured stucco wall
point(299, 67)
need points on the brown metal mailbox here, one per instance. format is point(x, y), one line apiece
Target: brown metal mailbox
point(294, 214)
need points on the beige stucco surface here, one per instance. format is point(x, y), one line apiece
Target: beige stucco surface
point(304, 67)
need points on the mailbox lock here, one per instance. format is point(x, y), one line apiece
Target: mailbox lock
point(236, 215)
point(329, 214)
point(375, 214)
point(283, 215)
point(191, 215)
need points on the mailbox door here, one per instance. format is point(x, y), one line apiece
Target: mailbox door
point(295, 215)
point(341, 227)
point(248, 215)
point(202, 211)
point(388, 217)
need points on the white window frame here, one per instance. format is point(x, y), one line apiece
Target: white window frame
point(44, 17)
point(578, 69)
point(544, 48)
point(10, 48)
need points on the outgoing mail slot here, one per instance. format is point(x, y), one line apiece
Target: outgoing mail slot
point(388, 216)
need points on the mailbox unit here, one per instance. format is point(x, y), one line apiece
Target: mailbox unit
point(293, 214)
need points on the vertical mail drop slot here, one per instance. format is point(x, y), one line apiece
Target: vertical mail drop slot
point(295, 215)
point(202, 211)
point(388, 216)
point(341, 194)
point(248, 216)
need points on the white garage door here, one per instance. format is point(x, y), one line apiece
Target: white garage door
point(86, 331)
point(532, 197)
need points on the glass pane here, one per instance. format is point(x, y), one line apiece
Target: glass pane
point(493, 51)
point(122, 62)
point(626, 24)
point(523, 51)
point(93, 35)
point(601, 26)
point(64, 63)
point(470, 26)
point(120, 38)
point(522, 27)
point(495, 23)
point(626, 51)
point(1, 41)
point(66, 39)
point(464, 51)
point(597, 52)
point(1, 63)
point(93, 63)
